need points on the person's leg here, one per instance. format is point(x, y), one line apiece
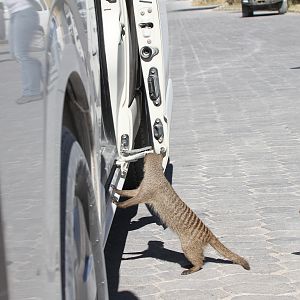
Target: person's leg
point(11, 36)
point(24, 25)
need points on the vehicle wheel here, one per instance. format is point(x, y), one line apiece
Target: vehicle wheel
point(82, 261)
point(283, 7)
point(247, 11)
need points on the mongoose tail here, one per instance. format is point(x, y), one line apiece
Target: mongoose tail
point(216, 244)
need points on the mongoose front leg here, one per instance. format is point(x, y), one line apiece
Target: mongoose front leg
point(130, 202)
point(125, 193)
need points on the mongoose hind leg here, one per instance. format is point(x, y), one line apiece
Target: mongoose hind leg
point(195, 256)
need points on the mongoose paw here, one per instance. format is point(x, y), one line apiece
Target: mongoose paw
point(191, 270)
point(186, 272)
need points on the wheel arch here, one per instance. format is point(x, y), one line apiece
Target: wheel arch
point(77, 115)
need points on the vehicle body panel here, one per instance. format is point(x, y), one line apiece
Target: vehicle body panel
point(261, 4)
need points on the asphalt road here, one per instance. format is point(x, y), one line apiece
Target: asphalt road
point(235, 150)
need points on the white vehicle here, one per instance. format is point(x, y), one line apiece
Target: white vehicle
point(105, 100)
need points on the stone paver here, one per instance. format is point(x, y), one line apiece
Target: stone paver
point(22, 208)
point(235, 149)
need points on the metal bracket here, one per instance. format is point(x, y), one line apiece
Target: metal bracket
point(131, 156)
point(124, 143)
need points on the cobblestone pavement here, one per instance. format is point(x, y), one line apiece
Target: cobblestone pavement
point(235, 151)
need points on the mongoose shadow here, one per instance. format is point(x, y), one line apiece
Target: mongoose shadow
point(124, 295)
point(117, 238)
point(157, 250)
point(140, 223)
point(114, 250)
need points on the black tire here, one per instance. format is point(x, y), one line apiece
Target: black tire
point(283, 7)
point(82, 261)
point(247, 11)
point(244, 10)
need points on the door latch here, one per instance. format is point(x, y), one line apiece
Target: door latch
point(153, 86)
point(158, 130)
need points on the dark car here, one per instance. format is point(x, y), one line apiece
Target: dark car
point(249, 6)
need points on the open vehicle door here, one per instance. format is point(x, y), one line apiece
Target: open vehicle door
point(152, 32)
point(140, 42)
